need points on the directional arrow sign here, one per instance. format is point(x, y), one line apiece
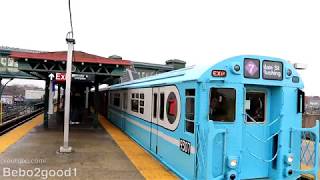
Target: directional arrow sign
point(51, 76)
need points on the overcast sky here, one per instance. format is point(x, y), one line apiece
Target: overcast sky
point(199, 32)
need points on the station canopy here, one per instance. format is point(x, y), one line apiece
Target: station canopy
point(101, 69)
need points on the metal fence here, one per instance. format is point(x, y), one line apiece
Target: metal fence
point(10, 111)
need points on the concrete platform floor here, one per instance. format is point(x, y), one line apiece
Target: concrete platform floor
point(96, 156)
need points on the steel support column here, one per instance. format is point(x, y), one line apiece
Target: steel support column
point(59, 98)
point(50, 103)
point(66, 148)
point(87, 98)
point(46, 103)
point(96, 104)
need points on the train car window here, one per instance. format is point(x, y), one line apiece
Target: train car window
point(116, 99)
point(172, 107)
point(135, 105)
point(301, 102)
point(125, 100)
point(255, 107)
point(155, 104)
point(161, 106)
point(141, 103)
point(190, 93)
point(222, 104)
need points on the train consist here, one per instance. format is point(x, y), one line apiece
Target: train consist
point(238, 119)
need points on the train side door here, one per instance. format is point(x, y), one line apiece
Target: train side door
point(256, 148)
point(155, 119)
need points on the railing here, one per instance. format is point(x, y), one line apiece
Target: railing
point(8, 112)
point(264, 140)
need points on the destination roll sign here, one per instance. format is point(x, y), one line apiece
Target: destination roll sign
point(272, 70)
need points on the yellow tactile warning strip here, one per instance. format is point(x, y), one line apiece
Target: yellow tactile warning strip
point(305, 167)
point(14, 135)
point(149, 167)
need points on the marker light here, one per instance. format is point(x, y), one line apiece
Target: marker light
point(290, 159)
point(233, 163)
point(289, 72)
point(236, 67)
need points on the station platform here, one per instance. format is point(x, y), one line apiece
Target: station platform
point(30, 152)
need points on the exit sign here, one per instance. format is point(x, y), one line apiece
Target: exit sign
point(60, 77)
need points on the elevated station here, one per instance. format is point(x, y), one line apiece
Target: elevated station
point(88, 71)
point(100, 151)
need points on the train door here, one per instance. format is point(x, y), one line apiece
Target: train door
point(155, 118)
point(256, 155)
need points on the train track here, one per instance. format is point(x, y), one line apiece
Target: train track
point(15, 122)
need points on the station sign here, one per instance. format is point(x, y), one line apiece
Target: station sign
point(252, 68)
point(272, 70)
point(82, 77)
point(61, 77)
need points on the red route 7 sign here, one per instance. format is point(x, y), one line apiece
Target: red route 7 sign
point(60, 77)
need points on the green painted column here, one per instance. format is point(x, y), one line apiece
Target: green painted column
point(46, 102)
point(59, 98)
point(96, 105)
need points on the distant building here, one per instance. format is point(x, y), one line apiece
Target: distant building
point(144, 69)
point(148, 69)
point(33, 94)
point(6, 99)
point(312, 104)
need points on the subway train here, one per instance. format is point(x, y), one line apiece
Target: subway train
point(240, 118)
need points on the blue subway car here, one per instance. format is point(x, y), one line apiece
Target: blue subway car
point(238, 119)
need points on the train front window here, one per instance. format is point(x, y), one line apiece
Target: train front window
point(222, 104)
point(255, 107)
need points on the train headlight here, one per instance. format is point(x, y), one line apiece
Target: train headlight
point(289, 159)
point(233, 162)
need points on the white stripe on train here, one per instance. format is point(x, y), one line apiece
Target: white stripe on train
point(165, 137)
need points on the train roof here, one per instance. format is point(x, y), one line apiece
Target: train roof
point(205, 74)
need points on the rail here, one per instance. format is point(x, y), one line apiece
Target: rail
point(17, 121)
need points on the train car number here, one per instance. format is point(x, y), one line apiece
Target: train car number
point(185, 146)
